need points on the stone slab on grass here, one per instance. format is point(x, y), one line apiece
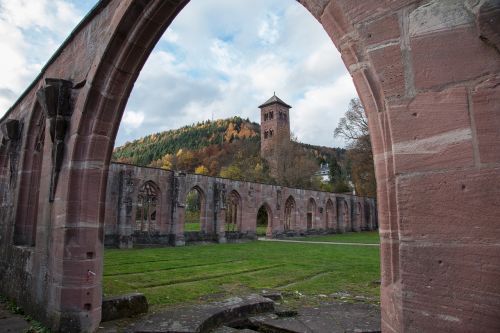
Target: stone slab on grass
point(325, 318)
point(123, 306)
point(205, 317)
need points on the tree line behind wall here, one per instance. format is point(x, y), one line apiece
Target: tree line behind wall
point(230, 148)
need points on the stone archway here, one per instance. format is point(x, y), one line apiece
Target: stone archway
point(265, 213)
point(29, 192)
point(311, 214)
point(233, 212)
point(290, 222)
point(330, 216)
point(431, 93)
point(200, 203)
point(147, 211)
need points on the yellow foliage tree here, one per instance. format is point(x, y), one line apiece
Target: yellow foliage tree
point(201, 170)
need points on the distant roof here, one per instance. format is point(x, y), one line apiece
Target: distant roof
point(273, 100)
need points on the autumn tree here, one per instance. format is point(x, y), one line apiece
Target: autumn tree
point(354, 128)
point(201, 170)
point(296, 166)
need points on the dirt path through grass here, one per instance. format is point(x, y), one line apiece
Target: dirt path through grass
point(314, 242)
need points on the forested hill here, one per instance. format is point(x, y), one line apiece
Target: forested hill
point(150, 148)
point(227, 147)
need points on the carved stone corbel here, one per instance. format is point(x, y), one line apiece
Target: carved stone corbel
point(55, 100)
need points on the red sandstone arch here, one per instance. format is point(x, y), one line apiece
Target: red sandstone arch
point(29, 186)
point(270, 218)
point(330, 215)
point(203, 209)
point(346, 223)
point(431, 93)
point(147, 215)
point(311, 214)
point(234, 211)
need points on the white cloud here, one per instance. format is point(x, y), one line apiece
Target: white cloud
point(30, 33)
point(269, 29)
point(320, 110)
point(132, 120)
point(220, 57)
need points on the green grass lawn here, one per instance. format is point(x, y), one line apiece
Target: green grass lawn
point(169, 276)
point(192, 226)
point(368, 237)
point(261, 230)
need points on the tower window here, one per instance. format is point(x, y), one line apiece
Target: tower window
point(266, 134)
point(265, 116)
point(271, 133)
point(271, 115)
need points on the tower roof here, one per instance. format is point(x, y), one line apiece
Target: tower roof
point(273, 100)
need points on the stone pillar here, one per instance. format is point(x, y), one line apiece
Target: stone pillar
point(178, 210)
point(125, 214)
point(220, 211)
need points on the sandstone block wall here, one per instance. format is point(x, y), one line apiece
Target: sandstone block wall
point(345, 212)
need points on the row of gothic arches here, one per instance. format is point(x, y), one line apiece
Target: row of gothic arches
point(335, 214)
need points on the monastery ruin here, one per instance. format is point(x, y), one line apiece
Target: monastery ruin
point(428, 74)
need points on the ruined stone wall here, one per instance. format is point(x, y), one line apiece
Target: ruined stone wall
point(125, 180)
point(428, 74)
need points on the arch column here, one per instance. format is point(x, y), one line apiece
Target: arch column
point(179, 210)
point(220, 211)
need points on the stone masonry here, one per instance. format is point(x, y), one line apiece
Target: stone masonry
point(332, 212)
point(428, 74)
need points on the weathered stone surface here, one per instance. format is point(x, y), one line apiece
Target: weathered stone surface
point(11, 323)
point(204, 318)
point(440, 58)
point(486, 110)
point(488, 23)
point(124, 306)
point(388, 65)
point(326, 318)
point(275, 296)
point(168, 228)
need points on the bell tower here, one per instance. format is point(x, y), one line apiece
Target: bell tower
point(274, 129)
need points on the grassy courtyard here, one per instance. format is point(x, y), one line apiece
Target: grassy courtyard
point(370, 237)
point(169, 276)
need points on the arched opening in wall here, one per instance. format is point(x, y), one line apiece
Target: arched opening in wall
point(32, 155)
point(290, 222)
point(135, 113)
point(264, 221)
point(233, 212)
point(195, 217)
point(330, 215)
point(147, 209)
point(311, 214)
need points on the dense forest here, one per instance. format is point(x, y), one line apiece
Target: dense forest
point(228, 148)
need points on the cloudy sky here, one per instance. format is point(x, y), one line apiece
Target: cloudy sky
point(219, 58)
